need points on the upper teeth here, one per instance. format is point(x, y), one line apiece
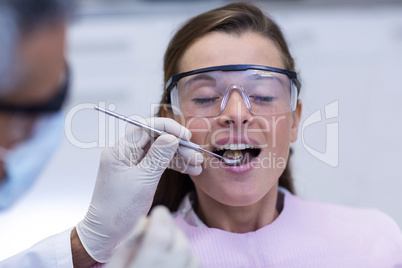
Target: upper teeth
point(240, 146)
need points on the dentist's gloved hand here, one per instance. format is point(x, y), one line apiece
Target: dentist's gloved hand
point(128, 176)
point(156, 242)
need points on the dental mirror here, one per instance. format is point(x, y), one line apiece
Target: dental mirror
point(189, 144)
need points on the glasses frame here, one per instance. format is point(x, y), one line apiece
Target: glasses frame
point(238, 67)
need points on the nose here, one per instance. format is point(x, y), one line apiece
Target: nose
point(235, 110)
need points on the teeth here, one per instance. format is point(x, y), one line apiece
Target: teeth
point(234, 147)
point(233, 154)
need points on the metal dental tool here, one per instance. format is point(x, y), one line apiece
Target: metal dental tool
point(189, 144)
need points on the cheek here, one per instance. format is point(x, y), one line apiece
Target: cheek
point(200, 129)
point(278, 132)
point(273, 133)
point(17, 129)
point(275, 150)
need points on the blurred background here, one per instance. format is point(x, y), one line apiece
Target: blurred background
point(348, 54)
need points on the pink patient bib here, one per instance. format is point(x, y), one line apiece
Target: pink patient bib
point(306, 234)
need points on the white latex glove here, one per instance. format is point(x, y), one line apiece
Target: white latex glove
point(128, 176)
point(155, 242)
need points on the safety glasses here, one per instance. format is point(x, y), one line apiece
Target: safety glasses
point(206, 92)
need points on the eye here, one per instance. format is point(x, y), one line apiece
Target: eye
point(205, 100)
point(262, 98)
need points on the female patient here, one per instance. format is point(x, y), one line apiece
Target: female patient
point(231, 81)
point(246, 99)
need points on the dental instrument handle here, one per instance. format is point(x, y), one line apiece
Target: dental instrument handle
point(185, 143)
point(128, 120)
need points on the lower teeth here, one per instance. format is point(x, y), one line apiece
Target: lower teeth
point(237, 154)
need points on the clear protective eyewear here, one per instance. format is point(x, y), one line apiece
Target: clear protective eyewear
point(206, 92)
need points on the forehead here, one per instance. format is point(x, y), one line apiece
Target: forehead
point(42, 64)
point(219, 48)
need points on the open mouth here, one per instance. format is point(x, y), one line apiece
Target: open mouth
point(243, 152)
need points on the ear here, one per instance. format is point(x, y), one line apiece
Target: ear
point(296, 115)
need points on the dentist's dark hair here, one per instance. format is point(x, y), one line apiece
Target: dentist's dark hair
point(31, 14)
point(235, 19)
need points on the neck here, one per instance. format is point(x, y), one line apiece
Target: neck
point(238, 219)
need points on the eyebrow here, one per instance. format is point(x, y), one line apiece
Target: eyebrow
point(199, 77)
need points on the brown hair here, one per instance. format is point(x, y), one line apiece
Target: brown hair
point(235, 18)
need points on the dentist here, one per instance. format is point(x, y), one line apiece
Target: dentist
point(34, 82)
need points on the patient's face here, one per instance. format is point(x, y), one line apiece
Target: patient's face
point(248, 183)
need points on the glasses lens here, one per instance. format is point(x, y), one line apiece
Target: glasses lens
point(202, 94)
